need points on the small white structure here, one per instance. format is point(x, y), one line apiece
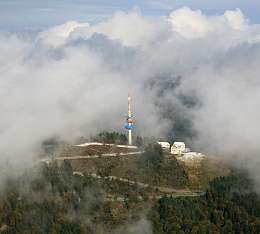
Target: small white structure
point(165, 145)
point(192, 156)
point(178, 148)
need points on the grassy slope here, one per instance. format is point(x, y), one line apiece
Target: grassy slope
point(201, 173)
point(170, 174)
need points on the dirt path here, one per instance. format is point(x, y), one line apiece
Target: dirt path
point(165, 190)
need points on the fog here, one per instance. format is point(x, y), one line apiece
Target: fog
point(72, 80)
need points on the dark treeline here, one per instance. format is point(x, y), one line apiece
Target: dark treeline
point(117, 138)
point(110, 138)
point(230, 205)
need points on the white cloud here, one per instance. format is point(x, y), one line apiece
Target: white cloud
point(73, 79)
point(131, 29)
point(194, 24)
point(189, 24)
point(58, 36)
point(236, 19)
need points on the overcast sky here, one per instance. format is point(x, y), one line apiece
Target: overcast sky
point(23, 15)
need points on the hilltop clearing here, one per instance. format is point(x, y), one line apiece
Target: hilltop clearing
point(147, 164)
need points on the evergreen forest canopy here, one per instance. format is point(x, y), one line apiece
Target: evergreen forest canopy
point(230, 205)
point(54, 200)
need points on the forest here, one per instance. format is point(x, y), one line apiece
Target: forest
point(230, 205)
point(54, 200)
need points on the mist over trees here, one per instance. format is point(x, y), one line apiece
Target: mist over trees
point(56, 201)
point(193, 77)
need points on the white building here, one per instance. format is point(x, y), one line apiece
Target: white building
point(164, 145)
point(178, 148)
point(192, 156)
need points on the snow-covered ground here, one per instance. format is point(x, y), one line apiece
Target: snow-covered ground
point(98, 143)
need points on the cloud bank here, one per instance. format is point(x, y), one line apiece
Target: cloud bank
point(73, 80)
